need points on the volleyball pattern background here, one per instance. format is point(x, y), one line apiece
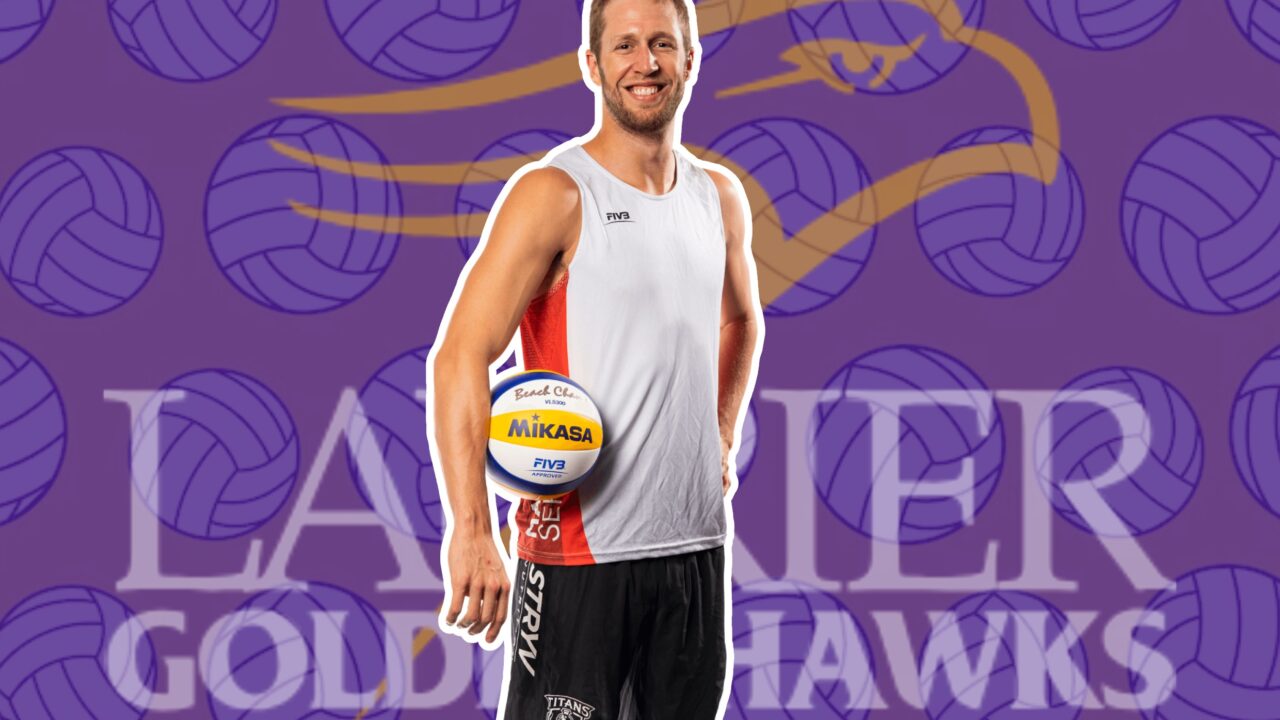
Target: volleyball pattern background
point(1217, 630)
point(75, 652)
point(227, 454)
point(1103, 25)
point(192, 41)
point(81, 231)
point(961, 637)
point(275, 255)
point(805, 171)
point(353, 664)
point(423, 41)
point(20, 22)
point(822, 26)
point(138, 156)
point(1075, 443)
point(33, 432)
point(937, 443)
point(1199, 218)
point(790, 614)
point(999, 234)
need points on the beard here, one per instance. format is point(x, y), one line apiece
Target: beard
point(647, 123)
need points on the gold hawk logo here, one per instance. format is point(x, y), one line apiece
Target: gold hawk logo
point(561, 707)
point(839, 64)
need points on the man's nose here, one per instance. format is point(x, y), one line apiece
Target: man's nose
point(650, 62)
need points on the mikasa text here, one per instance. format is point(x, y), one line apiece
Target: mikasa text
point(550, 431)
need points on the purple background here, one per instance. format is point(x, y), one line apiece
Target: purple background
point(75, 85)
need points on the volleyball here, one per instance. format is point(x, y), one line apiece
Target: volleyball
point(951, 429)
point(281, 258)
point(425, 40)
point(1207, 647)
point(1033, 650)
point(799, 654)
point(20, 22)
point(219, 461)
point(998, 233)
point(1255, 431)
point(545, 434)
point(305, 652)
point(1079, 440)
point(1103, 26)
point(33, 432)
point(192, 41)
point(74, 652)
point(80, 231)
point(1198, 215)
point(1259, 20)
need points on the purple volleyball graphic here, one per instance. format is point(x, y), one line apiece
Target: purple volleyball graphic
point(481, 185)
point(885, 47)
point(192, 41)
point(979, 651)
point(1081, 441)
point(998, 234)
point(1198, 215)
point(1255, 431)
point(806, 172)
point(20, 22)
point(949, 420)
point(1103, 24)
point(80, 231)
point(799, 654)
point(1207, 648)
point(313, 652)
point(1259, 20)
point(215, 454)
point(422, 41)
point(74, 652)
point(271, 251)
point(33, 432)
point(721, 13)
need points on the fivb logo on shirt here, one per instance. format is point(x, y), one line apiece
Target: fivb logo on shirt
point(623, 216)
point(562, 707)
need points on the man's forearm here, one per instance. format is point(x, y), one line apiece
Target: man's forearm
point(737, 351)
point(461, 392)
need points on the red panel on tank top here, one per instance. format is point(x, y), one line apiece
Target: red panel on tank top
point(551, 531)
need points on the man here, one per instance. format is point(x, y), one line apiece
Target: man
point(625, 264)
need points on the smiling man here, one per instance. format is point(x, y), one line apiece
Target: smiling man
point(624, 263)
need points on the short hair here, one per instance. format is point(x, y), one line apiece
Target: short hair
point(596, 24)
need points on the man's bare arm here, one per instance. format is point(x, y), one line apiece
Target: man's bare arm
point(741, 329)
point(539, 219)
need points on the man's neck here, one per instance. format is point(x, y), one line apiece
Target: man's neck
point(643, 162)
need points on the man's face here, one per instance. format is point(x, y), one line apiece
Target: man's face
point(642, 64)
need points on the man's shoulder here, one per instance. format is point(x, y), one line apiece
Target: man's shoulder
point(547, 187)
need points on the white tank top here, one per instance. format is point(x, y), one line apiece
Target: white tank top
point(636, 323)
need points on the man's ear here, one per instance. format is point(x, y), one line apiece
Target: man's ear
point(593, 68)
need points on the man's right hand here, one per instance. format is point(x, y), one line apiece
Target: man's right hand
point(477, 574)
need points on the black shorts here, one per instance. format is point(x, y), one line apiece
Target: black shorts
point(617, 641)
